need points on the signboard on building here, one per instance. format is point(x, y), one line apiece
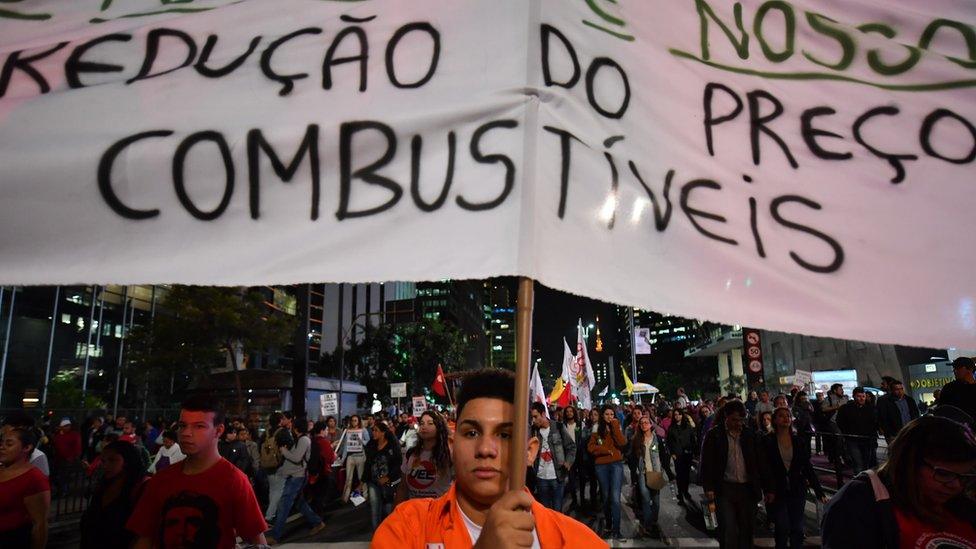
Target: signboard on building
point(419, 406)
point(752, 357)
point(398, 390)
point(329, 404)
point(823, 380)
point(642, 341)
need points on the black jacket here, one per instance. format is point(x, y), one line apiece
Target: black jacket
point(855, 517)
point(858, 420)
point(715, 455)
point(800, 475)
point(682, 439)
point(889, 418)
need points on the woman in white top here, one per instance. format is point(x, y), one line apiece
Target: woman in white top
point(427, 466)
point(353, 452)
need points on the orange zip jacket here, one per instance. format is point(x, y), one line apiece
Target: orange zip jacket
point(437, 524)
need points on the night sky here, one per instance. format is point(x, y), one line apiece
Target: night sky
point(555, 317)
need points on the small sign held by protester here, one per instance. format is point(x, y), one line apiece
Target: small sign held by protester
point(329, 405)
point(419, 406)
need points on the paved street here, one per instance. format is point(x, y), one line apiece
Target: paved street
point(349, 528)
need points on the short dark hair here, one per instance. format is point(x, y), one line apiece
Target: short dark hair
point(205, 403)
point(170, 435)
point(895, 382)
point(26, 435)
point(319, 427)
point(733, 407)
point(836, 385)
point(486, 383)
point(538, 407)
point(857, 390)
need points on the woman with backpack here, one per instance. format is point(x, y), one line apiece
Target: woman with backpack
point(921, 497)
point(353, 452)
point(382, 471)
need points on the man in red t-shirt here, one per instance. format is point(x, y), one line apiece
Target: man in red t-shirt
point(202, 501)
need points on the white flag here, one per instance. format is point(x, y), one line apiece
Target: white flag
point(536, 392)
point(568, 359)
point(582, 371)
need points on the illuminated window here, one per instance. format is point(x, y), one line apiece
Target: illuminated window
point(65, 319)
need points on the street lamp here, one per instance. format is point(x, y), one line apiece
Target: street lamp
point(342, 353)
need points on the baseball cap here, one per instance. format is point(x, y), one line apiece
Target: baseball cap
point(964, 362)
point(64, 421)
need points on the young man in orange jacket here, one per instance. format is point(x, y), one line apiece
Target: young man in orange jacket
point(479, 511)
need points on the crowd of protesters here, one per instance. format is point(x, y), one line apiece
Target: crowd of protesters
point(208, 480)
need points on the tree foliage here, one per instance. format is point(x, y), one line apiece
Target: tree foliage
point(197, 328)
point(407, 352)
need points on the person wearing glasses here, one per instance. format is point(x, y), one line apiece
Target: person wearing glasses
point(923, 496)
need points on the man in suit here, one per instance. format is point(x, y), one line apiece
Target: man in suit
point(732, 476)
point(895, 410)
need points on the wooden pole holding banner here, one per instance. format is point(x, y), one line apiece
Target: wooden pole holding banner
point(523, 355)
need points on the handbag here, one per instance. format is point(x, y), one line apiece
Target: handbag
point(654, 479)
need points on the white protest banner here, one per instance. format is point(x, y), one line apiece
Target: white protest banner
point(419, 406)
point(801, 166)
point(642, 341)
point(328, 405)
point(398, 390)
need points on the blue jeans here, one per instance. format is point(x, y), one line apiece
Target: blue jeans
point(650, 504)
point(611, 477)
point(378, 509)
point(861, 451)
point(788, 516)
point(549, 492)
point(291, 492)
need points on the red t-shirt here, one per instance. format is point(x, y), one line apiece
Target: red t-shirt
point(209, 509)
point(13, 513)
point(914, 534)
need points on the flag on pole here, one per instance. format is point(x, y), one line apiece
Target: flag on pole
point(581, 370)
point(440, 385)
point(536, 392)
point(557, 390)
point(562, 393)
point(629, 384)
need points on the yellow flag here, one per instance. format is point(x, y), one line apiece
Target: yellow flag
point(630, 385)
point(557, 391)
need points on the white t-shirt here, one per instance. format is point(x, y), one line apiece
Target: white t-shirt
point(39, 459)
point(547, 467)
point(422, 477)
point(475, 531)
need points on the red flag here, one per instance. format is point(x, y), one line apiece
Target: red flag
point(565, 399)
point(440, 385)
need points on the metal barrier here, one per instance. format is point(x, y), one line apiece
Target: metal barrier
point(70, 491)
point(836, 467)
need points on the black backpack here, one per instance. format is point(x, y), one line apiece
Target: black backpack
point(315, 462)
